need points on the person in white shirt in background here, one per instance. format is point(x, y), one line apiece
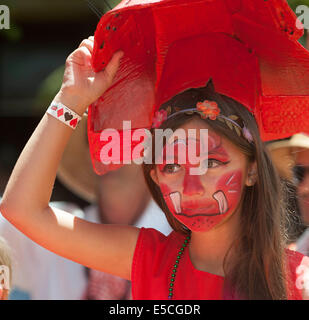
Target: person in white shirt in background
point(5, 269)
point(302, 180)
point(120, 196)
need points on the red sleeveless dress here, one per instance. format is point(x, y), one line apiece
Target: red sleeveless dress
point(154, 258)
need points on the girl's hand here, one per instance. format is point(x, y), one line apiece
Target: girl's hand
point(82, 86)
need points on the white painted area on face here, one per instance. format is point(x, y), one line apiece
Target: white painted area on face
point(230, 179)
point(176, 199)
point(222, 202)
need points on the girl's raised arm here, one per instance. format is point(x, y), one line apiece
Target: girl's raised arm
point(25, 203)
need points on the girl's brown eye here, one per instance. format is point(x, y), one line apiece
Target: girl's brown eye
point(213, 163)
point(171, 168)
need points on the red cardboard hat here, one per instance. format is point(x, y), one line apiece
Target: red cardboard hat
point(248, 47)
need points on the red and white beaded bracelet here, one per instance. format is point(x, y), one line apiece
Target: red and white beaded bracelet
point(64, 114)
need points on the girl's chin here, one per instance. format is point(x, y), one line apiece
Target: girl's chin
point(201, 223)
point(200, 229)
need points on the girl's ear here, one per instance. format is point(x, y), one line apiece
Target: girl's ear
point(154, 177)
point(252, 174)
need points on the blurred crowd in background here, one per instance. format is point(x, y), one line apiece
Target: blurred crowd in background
point(32, 55)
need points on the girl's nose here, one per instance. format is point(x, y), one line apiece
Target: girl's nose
point(192, 185)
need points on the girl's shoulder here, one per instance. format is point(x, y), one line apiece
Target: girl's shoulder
point(150, 238)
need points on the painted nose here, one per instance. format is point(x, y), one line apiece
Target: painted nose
point(192, 185)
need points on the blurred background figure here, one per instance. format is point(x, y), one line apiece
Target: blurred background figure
point(291, 158)
point(301, 172)
point(5, 269)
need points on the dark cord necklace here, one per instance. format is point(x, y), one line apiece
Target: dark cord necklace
point(173, 277)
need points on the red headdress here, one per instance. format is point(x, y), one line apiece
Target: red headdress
point(248, 47)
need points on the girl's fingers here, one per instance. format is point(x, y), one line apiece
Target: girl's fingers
point(83, 50)
point(106, 76)
point(88, 44)
point(91, 38)
point(113, 65)
point(80, 56)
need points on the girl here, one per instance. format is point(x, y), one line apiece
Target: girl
point(228, 240)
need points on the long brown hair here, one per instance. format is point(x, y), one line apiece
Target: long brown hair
point(255, 265)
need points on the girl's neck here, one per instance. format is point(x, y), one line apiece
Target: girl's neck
point(208, 249)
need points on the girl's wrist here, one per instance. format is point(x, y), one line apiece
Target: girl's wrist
point(72, 101)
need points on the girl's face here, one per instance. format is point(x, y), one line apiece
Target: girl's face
point(202, 202)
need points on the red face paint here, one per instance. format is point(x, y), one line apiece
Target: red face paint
point(203, 212)
point(200, 202)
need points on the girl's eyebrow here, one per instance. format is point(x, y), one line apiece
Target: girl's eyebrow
point(218, 153)
point(183, 141)
point(218, 150)
point(177, 141)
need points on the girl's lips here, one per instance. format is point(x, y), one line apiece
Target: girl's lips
point(202, 210)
